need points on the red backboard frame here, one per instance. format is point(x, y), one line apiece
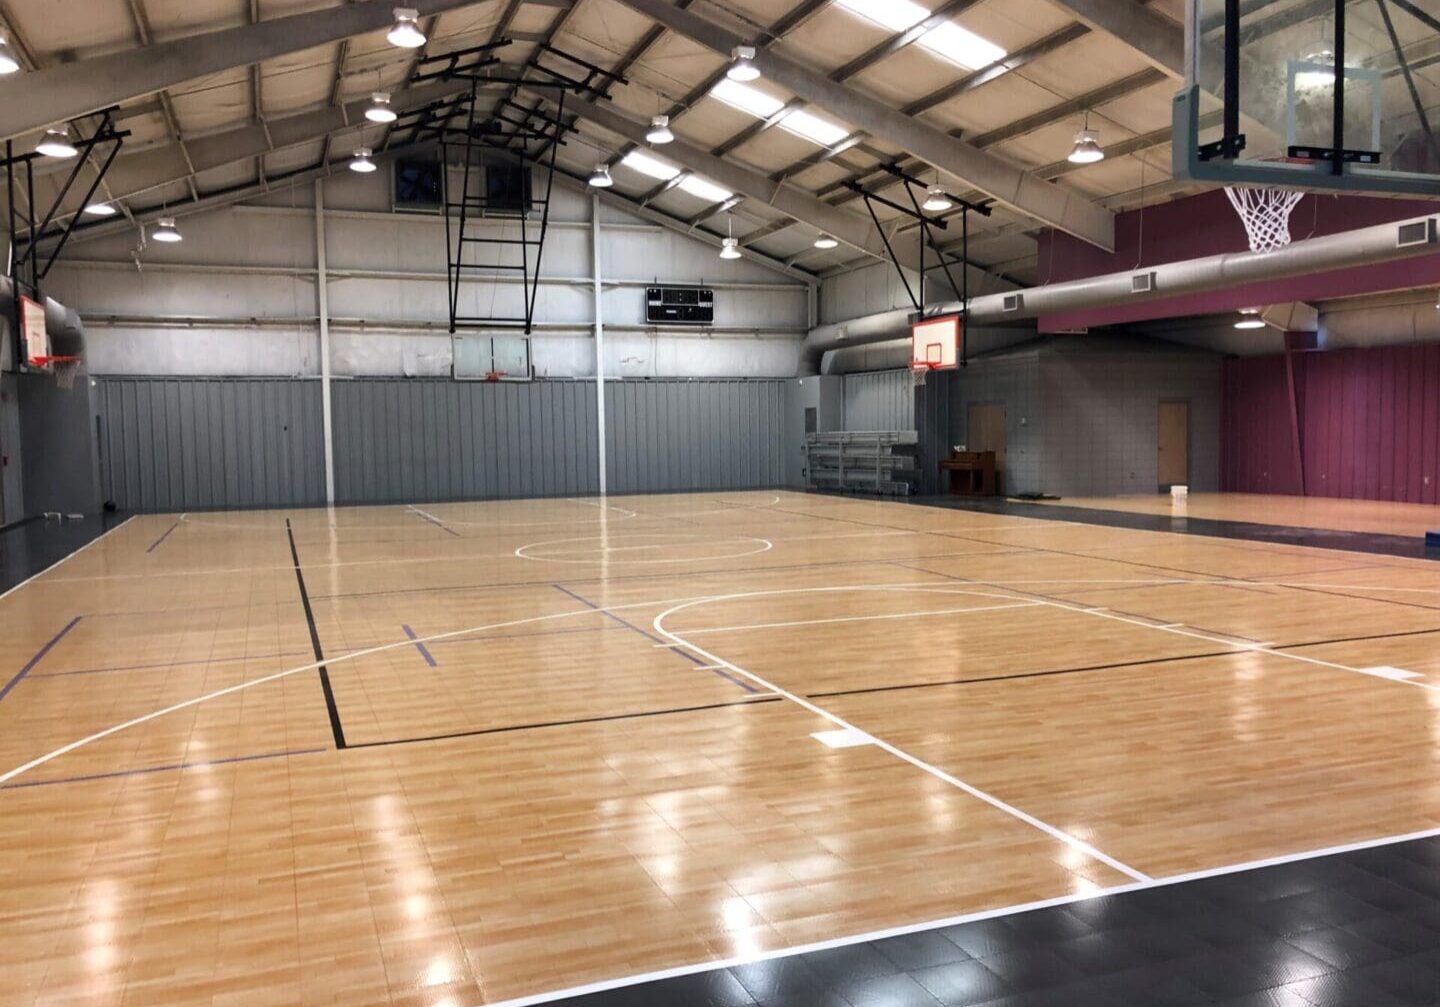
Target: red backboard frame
point(935, 343)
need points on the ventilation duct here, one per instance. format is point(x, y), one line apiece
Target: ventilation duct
point(1363, 247)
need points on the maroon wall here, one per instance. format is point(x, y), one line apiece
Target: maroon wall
point(1207, 225)
point(1369, 424)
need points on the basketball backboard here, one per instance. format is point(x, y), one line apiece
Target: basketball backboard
point(1263, 104)
point(935, 343)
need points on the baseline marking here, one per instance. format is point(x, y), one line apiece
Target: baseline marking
point(40, 656)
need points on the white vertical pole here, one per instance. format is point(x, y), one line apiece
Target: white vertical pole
point(322, 290)
point(599, 334)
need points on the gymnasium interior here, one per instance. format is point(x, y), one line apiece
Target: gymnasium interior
point(731, 503)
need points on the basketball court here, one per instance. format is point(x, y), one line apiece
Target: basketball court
point(821, 503)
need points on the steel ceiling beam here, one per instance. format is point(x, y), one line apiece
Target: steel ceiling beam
point(35, 100)
point(135, 174)
point(794, 203)
point(1006, 182)
point(1157, 39)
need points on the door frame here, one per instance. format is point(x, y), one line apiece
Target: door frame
point(1162, 487)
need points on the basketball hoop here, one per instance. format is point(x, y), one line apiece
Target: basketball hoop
point(63, 367)
point(920, 370)
point(1265, 214)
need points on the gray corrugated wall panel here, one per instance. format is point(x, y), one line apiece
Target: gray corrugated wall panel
point(932, 426)
point(176, 444)
point(678, 435)
point(418, 439)
point(879, 400)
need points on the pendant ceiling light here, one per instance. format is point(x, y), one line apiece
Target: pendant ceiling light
point(406, 33)
point(742, 64)
point(600, 177)
point(380, 110)
point(660, 130)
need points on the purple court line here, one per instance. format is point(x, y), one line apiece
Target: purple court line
point(435, 521)
point(37, 658)
point(171, 664)
point(160, 769)
point(156, 544)
point(656, 640)
point(429, 659)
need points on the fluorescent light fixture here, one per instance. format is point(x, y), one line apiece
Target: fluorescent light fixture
point(659, 130)
point(747, 99)
point(56, 143)
point(361, 161)
point(708, 191)
point(100, 210)
point(812, 127)
point(166, 231)
point(1087, 149)
point(948, 41)
point(1250, 319)
point(638, 160)
point(406, 33)
point(730, 248)
point(742, 63)
point(936, 200)
point(600, 177)
point(8, 62)
point(380, 110)
point(825, 241)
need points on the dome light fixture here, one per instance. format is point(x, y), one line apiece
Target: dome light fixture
point(1086, 149)
point(600, 177)
point(730, 248)
point(406, 33)
point(936, 199)
point(742, 64)
point(8, 62)
point(99, 209)
point(362, 162)
point(1250, 319)
point(380, 110)
point(659, 130)
point(166, 231)
point(56, 143)
point(825, 241)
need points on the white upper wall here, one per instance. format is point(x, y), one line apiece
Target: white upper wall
point(238, 295)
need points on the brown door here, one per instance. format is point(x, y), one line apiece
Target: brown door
point(987, 433)
point(1173, 452)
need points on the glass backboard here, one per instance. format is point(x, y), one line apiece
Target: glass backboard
point(1267, 102)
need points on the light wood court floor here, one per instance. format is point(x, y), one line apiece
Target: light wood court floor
point(564, 741)
point(1375, 517)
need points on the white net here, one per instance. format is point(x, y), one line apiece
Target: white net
point(1265, 214)
point(65, 374)
point(918, 373)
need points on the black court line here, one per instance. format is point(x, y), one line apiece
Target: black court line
point(336, 728)
point(565, 723)
point(1357, 639)
point(675, 648)
point(1026, 674)
point(156, 544)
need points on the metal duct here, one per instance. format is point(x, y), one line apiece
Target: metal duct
point(1363, 247)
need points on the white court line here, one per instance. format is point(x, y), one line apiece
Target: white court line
point(855, 618)
point(765, 546)
point(738, 961)
point(1074, 842)
point(331, 662)
point(67, 557)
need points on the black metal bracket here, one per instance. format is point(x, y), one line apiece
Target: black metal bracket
point(28, 268)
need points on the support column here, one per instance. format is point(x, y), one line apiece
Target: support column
point(599, 336)
point(322, 293)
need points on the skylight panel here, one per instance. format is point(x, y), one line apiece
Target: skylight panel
point(961, 47)
point(812, 127)
point(648, 165)
point(948, 41)
point(708, 191)
point(897, 15)
point(747, 99)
